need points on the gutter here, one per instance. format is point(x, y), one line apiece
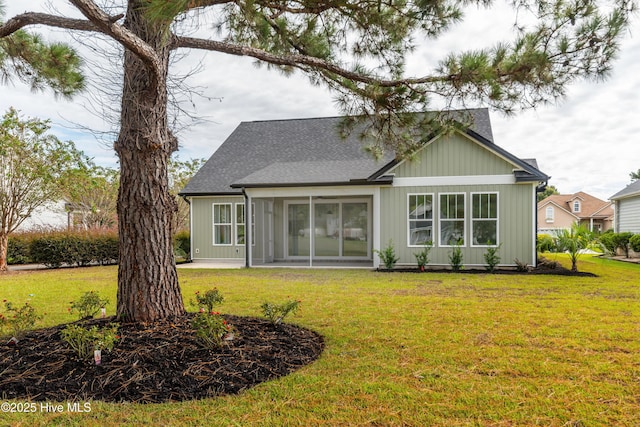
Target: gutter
point(247, 230)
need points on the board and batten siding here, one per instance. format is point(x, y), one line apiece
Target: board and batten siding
point(202, 246)
point(459, 156)
point(628, 214)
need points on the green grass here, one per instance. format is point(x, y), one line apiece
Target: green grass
point(405, 349)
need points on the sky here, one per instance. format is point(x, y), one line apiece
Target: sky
point(586, 142)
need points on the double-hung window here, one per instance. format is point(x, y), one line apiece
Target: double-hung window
point(420, 229)
point(484, 219)
point(222, 224)
point(241, 224)
point(452, 219)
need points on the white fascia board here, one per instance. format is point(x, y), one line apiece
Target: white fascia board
point(311, 191)
point(454, 180)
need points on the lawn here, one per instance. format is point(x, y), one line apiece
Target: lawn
point(404, 349)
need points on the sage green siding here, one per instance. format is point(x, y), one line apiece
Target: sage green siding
point(459, 156)
point(202, 246)
point(515, 222)
point(456, 155)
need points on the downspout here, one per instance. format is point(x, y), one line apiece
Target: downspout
point(247, 229)
point(186, 199)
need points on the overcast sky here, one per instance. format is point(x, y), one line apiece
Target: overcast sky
point(587, 142)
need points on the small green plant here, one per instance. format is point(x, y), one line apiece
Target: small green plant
point(455, 258)
point(422, 257)
point(17, 321)
point(388, 256)
point(210, 328)
point(88, 305)
point(522, 266)
point(208, 300)
point(277, 312)
point(84, 341)
point(491, 258)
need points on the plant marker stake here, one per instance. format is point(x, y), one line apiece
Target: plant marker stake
point(97, 356)
point(103, 311)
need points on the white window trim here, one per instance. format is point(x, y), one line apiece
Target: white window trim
point(578, 205)
point(236, 224)
point(433, 220)
point(497, 220)
point(213, 220)
point(547, 217)
point(464, 220)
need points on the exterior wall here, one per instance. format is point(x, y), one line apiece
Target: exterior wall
point(628, 214)
point(202, 246)
point(465, 163)
point(561, 219)
point(515, 224)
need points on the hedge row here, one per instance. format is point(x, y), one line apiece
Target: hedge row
point(612, 242)
point(55, 249)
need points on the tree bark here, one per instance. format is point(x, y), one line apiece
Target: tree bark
point(4, 247)
point(148, 288)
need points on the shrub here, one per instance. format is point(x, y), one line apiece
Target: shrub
point(634, 242)
point(621, 240)
point(208, 299)
point(88, 304)
point(422, 257)
point(455, 258)
point(55, 249)
point(277, 312)
point(86, 341)
point(182, 244)
point(18, 249)
point(546, 243)
point(388, 256)
point(17, 321)
point(210, 328)
point(491, 258)
point(608, 242)
point(522, 266)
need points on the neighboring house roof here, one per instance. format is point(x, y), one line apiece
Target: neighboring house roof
point(630, 190)
point(309, 152)
point(590, 206)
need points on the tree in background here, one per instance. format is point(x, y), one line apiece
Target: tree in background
point(549, 191)
point(91, 194)
point(33, 169)
point(355, 48)
point(635, 175)
point(180, 172)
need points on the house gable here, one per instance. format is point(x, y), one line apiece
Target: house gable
point(455, 155)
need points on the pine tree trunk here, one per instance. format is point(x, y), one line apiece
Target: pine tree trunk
point(148, 288)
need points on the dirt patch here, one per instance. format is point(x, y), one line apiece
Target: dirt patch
point(157, 362)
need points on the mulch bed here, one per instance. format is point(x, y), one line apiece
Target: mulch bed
point(156, 362)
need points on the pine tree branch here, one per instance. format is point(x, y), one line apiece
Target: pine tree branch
point(32, 18)
point(302, 62)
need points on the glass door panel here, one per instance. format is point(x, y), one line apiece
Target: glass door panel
point(299, 230)
point(327, 229)
point(355, 226)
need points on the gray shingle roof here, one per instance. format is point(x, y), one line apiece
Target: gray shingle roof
point(286, 152)
point(630, 190)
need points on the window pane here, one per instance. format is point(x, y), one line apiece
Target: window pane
point(240, 228)
point(452, 232)
point(239, 214)
point(420, 232)
point(485, 232)
point(223, 234)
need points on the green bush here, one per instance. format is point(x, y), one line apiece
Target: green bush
point(388, 256)
point(608, 242)
point(74, 248)
point(491, 258)
point(182, 244)
point(455, 258)
point(621, 241)
point(546, 243)
point(634, 242)
point(18, 249)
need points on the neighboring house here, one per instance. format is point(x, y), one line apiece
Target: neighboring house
point(51, 215)
point(561, 211)
point(313, 198)
point(627, 205)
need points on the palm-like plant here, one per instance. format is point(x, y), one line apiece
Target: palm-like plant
point(574, 241)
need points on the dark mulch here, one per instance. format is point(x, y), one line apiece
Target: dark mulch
point(156, 362)
point(544, 267)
